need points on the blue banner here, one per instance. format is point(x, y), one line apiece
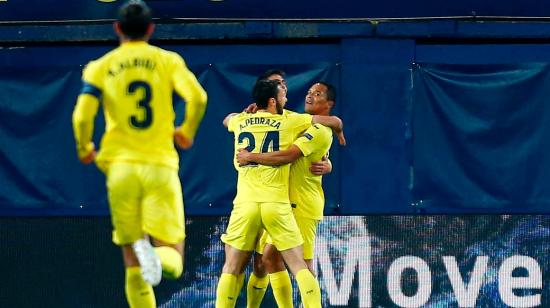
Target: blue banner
point(40, 173)
point(480, 137)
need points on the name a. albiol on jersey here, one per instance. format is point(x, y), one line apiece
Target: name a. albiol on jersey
point(131, 63)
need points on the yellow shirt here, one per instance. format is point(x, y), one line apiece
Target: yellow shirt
point(306, 190)
point(135, 83)
point(259, 133)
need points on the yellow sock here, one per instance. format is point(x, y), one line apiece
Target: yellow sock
point(171, 261)
point(239, 285)
point(282, 288)
point(255, 290)
point(138, 293)
point(309, 289)
point(225, 294)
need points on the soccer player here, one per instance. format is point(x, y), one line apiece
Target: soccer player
point(134, 83)
point(321, 167)
point(259, 279)
point(262, 193)
point(306, 192)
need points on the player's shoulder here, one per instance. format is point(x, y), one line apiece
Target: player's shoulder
point(236, 117)
point(297, 117)
point(241, 115)
point(287, 112)
point(294, 115)
point(93, 68)
point(321, 130)
point(101, 61)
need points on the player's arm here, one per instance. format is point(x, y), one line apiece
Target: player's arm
point(335, 123)
point(276, 158)
point(188, 87)
point(83, 122)
point(227, 118)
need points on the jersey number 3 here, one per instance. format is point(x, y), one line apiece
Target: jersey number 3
point(144, 103)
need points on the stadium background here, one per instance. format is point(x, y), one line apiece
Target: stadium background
point(443, 115)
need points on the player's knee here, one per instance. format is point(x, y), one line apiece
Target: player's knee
point(173, 272)
point(309, 263)
point(171, 261)
point(259, 267)
point(231, 268)
point(273, 263)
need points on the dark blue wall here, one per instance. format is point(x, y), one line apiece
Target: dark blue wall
point(369, 64)
point(45, 177)
point(12, 10)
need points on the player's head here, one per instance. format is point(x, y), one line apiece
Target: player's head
point(267, 93)
point(275, 74)
point(320, 98)
point(134, 21)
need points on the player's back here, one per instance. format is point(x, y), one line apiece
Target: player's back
point(136, 80)
point(259, 133)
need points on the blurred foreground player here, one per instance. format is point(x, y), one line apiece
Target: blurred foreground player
point(134, 83)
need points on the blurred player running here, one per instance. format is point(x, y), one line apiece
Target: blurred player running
point(134, 83)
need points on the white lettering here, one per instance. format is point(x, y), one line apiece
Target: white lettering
point(424, 281)
point(507, 283)
point(354, 259)
point(466, 295)
point(358, 256)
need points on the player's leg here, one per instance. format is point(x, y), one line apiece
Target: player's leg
point(240, 239)
point(163, 217)
point(138, 292)
point(310, 291)
point(124, 200)
point(258, 281)
point(308, 229)
point(228, 285)
point(171, 258)
point(278, 275)
point(281, 226)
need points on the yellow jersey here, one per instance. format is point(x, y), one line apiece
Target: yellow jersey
point(259, 133)
point(135, 83)
point(306, 190)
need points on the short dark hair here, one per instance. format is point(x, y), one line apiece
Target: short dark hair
point(331, 91)
point(270, 72)
point(134, 17)
point(263, 91)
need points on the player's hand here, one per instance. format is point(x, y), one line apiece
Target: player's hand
point(252, 108)
point(321, 167)
point(181, 140)
point(88, 159)
point(338, 130)
point(243, 157)
point(341, 138)
point(86, 154)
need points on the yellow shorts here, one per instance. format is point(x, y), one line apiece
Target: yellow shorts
point(248, 218)
point(308, 229)
point(145, 199)
point(260, 244)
